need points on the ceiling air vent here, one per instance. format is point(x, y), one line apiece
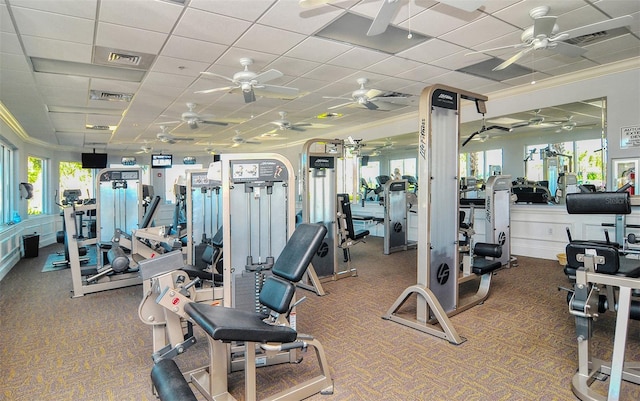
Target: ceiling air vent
point(98, 127)
point(111, 96)
point(125, 59)
point(579, 40)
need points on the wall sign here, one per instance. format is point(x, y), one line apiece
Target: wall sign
point(630, 137)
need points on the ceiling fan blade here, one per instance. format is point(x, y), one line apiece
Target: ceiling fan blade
point(384, 17)
point(249, 96)
point(513, 59)
point(568, 49)
point(169, 122)
point(207, 74)
point(223, 89)
point(281, 92)
point(518, 46)
point(614, 23)
point(339, 105)
point(312, 3)
point(373, 93)
point(268, 76)
point(544, 25)
point(297, 128)
point(466, 5)
point(370, 105)
point(214, 122)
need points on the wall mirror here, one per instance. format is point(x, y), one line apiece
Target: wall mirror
point(520, 144)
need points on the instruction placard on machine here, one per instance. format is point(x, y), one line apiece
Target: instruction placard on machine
point(258, 171)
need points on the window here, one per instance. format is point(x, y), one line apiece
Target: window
point(405, 166)
point(481, 165)
point(6, 174)
point(370, 172)
point(36, 169)
point(533, 162)
point(73, 176)
point(589, 166)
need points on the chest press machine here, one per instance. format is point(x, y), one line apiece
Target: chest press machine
point(600, 267)
point(439, 278)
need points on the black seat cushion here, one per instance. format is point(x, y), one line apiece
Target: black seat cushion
point(228, 324)
point(482, 266)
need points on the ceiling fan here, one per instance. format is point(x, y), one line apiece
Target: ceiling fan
point(239, 140)
point(251, 83)
point(145, 149)
point(283, 124)
point(193, 119)
point(389, 8)
point(544, 34)
point(165, 136)
point(365, 97)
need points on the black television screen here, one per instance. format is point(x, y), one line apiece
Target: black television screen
point(161, 161)
point(94, 160)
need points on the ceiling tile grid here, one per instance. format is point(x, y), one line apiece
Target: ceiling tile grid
point(299, 73)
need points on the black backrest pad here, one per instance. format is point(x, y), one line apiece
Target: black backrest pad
point(276, 294)
point(298, 252)
point(486, 249)
point(610, 253)
point(599, 203)
point(345, 205)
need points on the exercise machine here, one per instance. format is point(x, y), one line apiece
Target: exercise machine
point(319, 196)
point(347, 234)
point(118, 211)
point(204, 210)
point(72, 197)
point(396, 217)
point(498, 215)
point(438, 266)
point(271, 335)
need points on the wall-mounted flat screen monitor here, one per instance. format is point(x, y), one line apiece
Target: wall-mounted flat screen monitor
point(161, 161)
point(94, 160)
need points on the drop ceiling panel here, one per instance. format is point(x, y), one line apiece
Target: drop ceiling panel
point(231, 60)
point(293, 66)
point(249, 10)
point(179, 66)
point(67, 121)
point(317, 49)
point(57, 49)
point(58, 80)
point(440, 19)
point(479, 31)
point(624, 43)
point(14, 62)
point(193, 49)
point(329, 73)
point(64, 96)
point(129, 38)
point(47, 25)
point(6, 25)
point(210, 27)
point(159, 16)
point(423, 73)
point(290, 16)
point(82, 9)
point(9, 43)
point(431, 50)
point(268, 39)
point(358, 58)
point(393, 66)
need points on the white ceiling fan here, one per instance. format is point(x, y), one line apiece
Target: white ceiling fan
point(165, 136)
point(251, 83)
point(145, 149)
point(283, 124)
point(193, 119)
point(388, 10)
point(239, 140)
point(365, 97)
point(544, 34)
